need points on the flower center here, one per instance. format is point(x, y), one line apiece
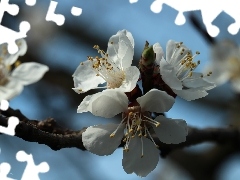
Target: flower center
point(137, 124)
point(3, 74)
point(107, 69)
point(186, 65)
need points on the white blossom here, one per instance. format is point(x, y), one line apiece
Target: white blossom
point(12, 81)
point(225, 64)
point(177, 71)
point(140, 151)
point(113, 68)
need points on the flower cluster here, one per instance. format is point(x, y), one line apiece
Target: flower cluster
point(225, 64)
point(177, 71)
point(113, 68)
point(15, 75)
point(139, 129)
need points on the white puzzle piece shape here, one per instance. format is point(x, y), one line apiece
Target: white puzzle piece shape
point(7, 35)
point(209, 10)
point(4, 170)
point(31, 171)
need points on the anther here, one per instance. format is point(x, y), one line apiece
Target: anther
point(17, 63)
point(158, 124)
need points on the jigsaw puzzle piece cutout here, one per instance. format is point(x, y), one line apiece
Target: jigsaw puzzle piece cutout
point(133, 1)
point(180, 19)
point(12, 9)
point(4, 170)
point(232, 9)
point(51, 16)
point(156, 6)
point(30, 2)
point(31, 171)
point(76, 11)
point(12, 121)
point(208, 16)
point(4, 105)
point(10, 130)
point(9, 36)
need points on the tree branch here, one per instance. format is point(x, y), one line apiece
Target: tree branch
point(48, 132)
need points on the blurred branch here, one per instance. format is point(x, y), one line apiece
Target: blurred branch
point(206, 164)
point(197, 25)
point(48, 132)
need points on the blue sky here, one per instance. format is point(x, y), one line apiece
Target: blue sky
point(106, 18)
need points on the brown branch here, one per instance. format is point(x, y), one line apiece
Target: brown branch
point(48, 132)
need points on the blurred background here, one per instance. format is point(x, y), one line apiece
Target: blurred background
point(62, 48)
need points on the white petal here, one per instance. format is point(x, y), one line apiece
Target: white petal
point(156, 101)
point(10, 90)
point(9, 59)
point(86, 104)
point(169, 75)
point(174, 53)
point(107, 103)
point(30, 72)
point(125, 53)
point(130, 37)
point(97, 140)
point(190, 94)
point(85, 78)
point(120, 49)
point(132, 161)
point(159, 52)
point(170, 47)
point(171, 131)
point(221, 73)
point(196, 81)
point(131, 77)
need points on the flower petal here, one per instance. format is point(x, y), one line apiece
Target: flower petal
point(171, 46)
point(85, 78)
point(171, 131)
point(196, 81)
point(8, 58)
point(10, 90)
point(130, 37)
point(28, 73)
point(159, 52)
point(107, 103)
point(190, 94)
point(174, 54)
point(156, 101)
point(125, 54)
point(169, 75)
point(97, 140)
point(131, 77)
point(221, 72)
point(120, 49)
point(132, 160)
